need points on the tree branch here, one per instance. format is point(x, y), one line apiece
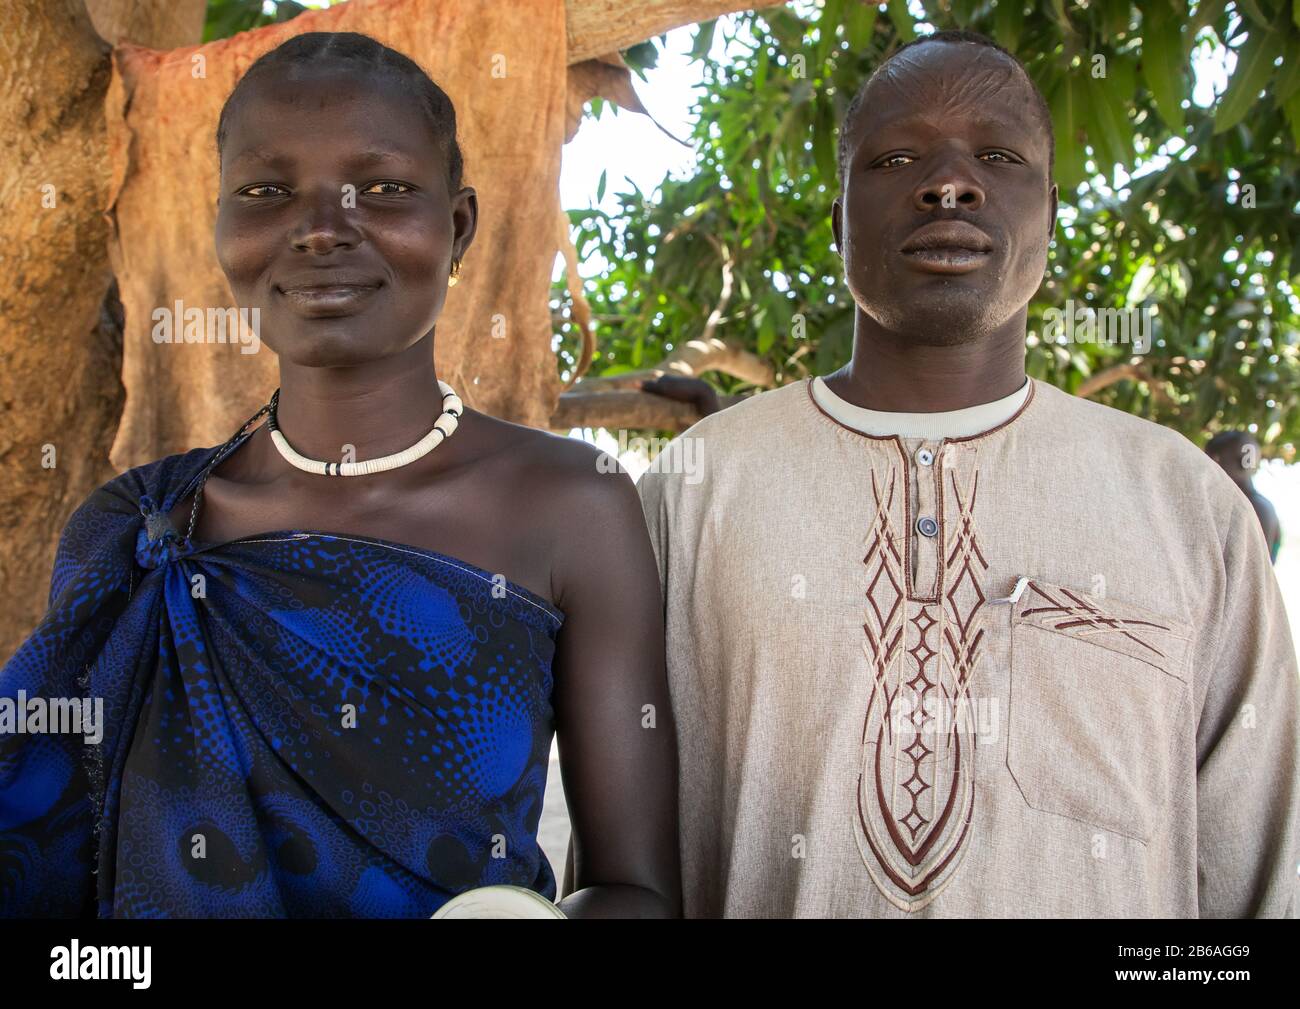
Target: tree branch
point(581, 310)
point(156, 25)
point(596, 27)
point(1118, 373)
point(693, 359)
point(625, 410)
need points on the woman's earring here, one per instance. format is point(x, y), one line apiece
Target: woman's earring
point(455, 273)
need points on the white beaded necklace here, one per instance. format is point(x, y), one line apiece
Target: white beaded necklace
point(443, 428)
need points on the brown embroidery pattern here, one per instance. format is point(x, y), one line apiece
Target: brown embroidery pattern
point(916, 793)
point(1107, 623)
point(885, 585)
point(1084, 617)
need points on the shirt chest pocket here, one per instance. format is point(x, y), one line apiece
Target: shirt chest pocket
point(1099, 702)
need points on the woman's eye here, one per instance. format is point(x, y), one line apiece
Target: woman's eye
point(393, 188)
point(253, 190)
point(996, 154)
point(894, 160)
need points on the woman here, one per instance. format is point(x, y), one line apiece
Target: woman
point(333, 695)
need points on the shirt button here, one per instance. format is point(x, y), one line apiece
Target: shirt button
point(927, 526)
point(925, 457)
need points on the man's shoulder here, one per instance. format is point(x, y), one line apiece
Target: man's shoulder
point(1074, 419)
point(1075, 415)
point(751, 421)
point(740, 420)
point(1148, 453)
point(759, 424)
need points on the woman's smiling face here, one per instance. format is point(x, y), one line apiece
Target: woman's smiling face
point(335, 218)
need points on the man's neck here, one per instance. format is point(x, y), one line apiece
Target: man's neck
point(896, 372)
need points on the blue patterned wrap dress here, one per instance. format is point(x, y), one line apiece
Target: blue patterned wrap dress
point(296, 724)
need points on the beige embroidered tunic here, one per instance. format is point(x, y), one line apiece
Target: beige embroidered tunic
point(1040, 671)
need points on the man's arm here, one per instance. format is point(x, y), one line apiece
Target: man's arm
point(1248, 743)
point(683, 389)
point(1267, 516)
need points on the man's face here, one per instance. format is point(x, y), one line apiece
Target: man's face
point(947, 208)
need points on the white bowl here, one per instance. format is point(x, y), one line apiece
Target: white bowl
point(498, 902)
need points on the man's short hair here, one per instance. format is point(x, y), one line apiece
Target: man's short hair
point(1230, 441)
point(954, 35)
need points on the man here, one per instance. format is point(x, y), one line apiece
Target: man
point(1237, 453)
point(940, 641)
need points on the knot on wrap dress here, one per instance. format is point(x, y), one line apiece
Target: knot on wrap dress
point(294, 724)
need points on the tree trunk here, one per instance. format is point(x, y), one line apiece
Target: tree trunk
point(59, 393)
point(60, 325)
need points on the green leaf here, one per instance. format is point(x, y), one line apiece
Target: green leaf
point(600, 187)
point(1140, 286)
point(860, 24)
point(1163, 63)
point(1070, 155)
point(1292, 109)
point(903, 23)
point(1008, 22)
point(766, 334)
point(641, 57)
point(827, 33)
point(1253, 72)
point(1062, 19)
point(1207, 13)
point(1119, 16)
point(788, 29)
point(285, 10)
point(824, 149)
point(1109, 131)
point(1119, 86)
point(1288, 80)
point(1251, 8)
point(703, 40)
point(964, 10)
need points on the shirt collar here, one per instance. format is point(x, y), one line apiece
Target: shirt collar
point(964, 423)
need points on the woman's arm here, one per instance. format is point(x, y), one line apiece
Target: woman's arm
point(618, 747)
